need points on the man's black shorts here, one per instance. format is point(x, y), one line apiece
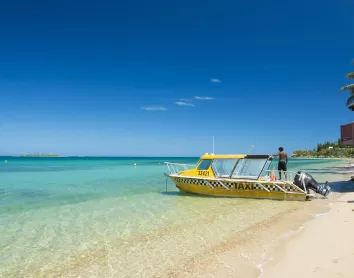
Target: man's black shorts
point(281, 166)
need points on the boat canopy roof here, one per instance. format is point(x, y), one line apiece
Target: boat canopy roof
point(225, 156)
point(222, 156)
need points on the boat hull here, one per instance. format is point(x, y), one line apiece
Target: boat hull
point(239, 189)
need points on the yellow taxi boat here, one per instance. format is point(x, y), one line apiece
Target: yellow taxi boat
point(239, 175)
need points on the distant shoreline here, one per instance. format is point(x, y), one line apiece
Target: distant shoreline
point(29, 155)
point(339, 158)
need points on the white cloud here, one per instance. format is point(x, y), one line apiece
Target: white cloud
point(183, 103)
point(215, 80)
point(204, 98)
point(154, 108)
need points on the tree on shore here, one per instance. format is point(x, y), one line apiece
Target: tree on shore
point(327, 149)
point(350, 88)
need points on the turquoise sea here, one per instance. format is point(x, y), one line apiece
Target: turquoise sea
point(103, 217)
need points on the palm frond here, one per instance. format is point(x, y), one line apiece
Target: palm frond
point(349, 88)
point(350, 75)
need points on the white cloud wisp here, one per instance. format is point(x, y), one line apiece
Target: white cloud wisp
point(183, 103)
point(154, 108)
point(204, 98)
point(215, 80)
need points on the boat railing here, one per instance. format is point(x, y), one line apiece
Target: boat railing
point(175, 168)
point(286, 176)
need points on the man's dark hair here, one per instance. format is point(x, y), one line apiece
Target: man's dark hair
point(281, 149)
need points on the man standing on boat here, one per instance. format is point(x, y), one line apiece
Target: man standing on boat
point(283, 161)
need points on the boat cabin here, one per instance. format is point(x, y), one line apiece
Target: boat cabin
point(248, 167)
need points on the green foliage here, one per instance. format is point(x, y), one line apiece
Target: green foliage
point(349, 88)
point(324, 150)
point(326, 145)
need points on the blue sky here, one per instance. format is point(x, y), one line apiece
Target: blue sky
point(162, 77)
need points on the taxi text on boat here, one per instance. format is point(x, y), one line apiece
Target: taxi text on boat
point(240, 175)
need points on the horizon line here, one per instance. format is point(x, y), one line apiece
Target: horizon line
point(61, 156)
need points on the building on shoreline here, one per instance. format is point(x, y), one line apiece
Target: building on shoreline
point(347, 134)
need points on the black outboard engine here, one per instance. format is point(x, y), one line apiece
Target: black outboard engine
point(310, 183)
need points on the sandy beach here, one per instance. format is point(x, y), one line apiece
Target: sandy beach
point(323, 248)
point(291, 244)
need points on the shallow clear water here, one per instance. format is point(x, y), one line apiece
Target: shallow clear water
point(103, 217)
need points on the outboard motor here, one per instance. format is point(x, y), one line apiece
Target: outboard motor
point(310, 183)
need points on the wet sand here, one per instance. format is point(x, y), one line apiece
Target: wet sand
point(243, 254)
point(323, 248)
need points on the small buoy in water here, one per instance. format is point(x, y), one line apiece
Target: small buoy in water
point(134, 164)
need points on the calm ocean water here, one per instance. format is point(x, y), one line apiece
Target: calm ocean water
point(102, 217)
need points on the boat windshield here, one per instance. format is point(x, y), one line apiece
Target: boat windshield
point(204, 164)
point(248, 168)
point(266, 174)
point(223, 167)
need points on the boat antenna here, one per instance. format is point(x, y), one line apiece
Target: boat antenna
point(250, 149)
point(213, 144)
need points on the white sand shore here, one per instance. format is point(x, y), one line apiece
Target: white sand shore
point(324, 248)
